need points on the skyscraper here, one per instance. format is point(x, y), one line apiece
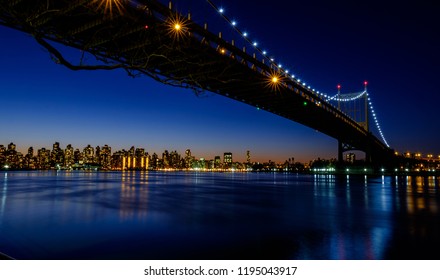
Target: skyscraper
point(89, 154)
point(57, 155)
point(43, 158)
point(68, 156)
point(105, 158)
point(2, 156)
point(217, 162)
point(188, 159)
point(227, 160)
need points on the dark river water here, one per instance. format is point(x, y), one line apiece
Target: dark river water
point(189, 215)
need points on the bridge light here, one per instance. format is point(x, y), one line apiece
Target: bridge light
point(234, 23)
point(264, 52)
point(245, 34)
point(177, 26)
point(255, 44)
point(221, 10)
point(108, 5)
point(274, 81)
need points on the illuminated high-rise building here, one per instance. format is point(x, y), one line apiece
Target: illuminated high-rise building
point(106, 157)
point(78, 157)
point(142, 159)
point(2, 156)
point(11, 147)
point(97, 157)
point(43, 158)
point(12, 157)
point(350, 158)
point(68, 156)
point(118, 160)
point(166, 159)
point(56, 155)
point(154, 161)
point(29, 161)
point(89, 154)
point(227, 160)
point(174, 159)
point(217, 162)
point(188, 159)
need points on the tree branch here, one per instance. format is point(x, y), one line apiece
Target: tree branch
point(66, 63)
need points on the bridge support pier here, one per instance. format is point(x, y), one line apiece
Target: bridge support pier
point(342, 148)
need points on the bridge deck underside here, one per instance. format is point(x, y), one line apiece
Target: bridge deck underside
point(141, 39)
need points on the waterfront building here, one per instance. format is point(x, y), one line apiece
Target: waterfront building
point(97, 157)
point(56, 156)
point(2, 156)
point(89, 154)
point(175, 160)
point(68, 156)
point(154, 161)
point(166, 159)
point(117, 160)
point(43, 158)
point(227, 160)
point(106, 157)
point(78, 157)
point(217, 162)
point(29, 161)
point(350, 158)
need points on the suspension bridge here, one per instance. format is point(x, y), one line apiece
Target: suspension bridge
point(148, 37)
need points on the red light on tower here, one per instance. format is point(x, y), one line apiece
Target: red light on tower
point(365, 83)
point(339, 87)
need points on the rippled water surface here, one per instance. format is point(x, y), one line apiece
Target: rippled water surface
point(184, 215)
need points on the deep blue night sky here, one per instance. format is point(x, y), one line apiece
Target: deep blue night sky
point(394, 46)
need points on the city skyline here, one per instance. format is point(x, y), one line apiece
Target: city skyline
point(135, 158)
point(42, 100)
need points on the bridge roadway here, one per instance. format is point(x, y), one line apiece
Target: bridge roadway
point(143, 39)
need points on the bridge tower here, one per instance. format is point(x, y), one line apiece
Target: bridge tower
point(355, 105)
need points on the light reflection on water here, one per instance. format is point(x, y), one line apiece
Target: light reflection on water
point(178, 215)
point(4, 195)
